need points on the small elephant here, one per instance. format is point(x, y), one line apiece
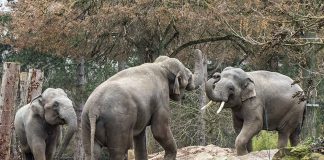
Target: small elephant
point(37, 124)
point(118, 110)
point(260, 100)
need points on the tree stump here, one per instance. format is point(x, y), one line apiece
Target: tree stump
point(9, 89)
point(30, 86)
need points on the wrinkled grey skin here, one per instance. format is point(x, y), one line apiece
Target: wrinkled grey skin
point(118, 111)
point(250, 95)
point(37, 124)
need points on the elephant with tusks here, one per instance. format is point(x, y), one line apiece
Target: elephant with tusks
point(259, 100)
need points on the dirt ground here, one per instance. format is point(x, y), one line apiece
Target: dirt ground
point(212, 152)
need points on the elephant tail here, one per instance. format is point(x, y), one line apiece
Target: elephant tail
point(300, 126)
point(304, 116)
point(92, 135)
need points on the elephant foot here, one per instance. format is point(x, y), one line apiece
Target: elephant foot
point(241, 152)
point(170, 157)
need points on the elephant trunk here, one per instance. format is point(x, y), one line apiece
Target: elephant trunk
point(211, 94)
point(70, 118)
point(200, 71)
point(214, 96)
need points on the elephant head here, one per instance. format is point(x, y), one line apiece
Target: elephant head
point(232, 86)
point(56, 108)
point(181, 78)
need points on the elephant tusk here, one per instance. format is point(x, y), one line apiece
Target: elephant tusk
point(221, 107)
point(207, 105)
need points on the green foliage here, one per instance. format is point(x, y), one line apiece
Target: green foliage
point(5, 19)
point(302, 152)
point(265, 140)
point(316, 144)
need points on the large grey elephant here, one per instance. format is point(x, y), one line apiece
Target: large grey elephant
point(37, 124)
point(259, 100)
point(118, 110)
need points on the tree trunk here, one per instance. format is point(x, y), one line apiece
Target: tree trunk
point(23, 88)
point(79, 102)
point(30, 86)
point(34, 84)
point(309, 86)
point(9, 90)
point(202, 102)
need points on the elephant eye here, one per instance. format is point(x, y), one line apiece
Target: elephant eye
point(231, 88)
point(217, 76)
point(55, 105)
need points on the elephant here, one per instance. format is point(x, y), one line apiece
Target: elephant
point(259, 100)
point(38, 125)
point(118, 111)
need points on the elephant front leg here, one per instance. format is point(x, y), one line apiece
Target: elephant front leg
point(238, 124)
point(249, 146)
point(38, 148)
point(162, 133)
point(140, 146)
point(243, 140)
point(52, 142)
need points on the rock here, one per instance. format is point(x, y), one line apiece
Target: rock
point(316, 156)
point(203, 156)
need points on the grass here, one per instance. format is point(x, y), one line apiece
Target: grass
point(265, 140)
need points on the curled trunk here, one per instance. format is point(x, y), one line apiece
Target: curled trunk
point(211, 94)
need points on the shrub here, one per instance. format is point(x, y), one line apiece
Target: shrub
point(265, 140)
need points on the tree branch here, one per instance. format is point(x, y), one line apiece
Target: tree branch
point(190, 43)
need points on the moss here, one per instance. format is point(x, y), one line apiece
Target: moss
point(290, 158)
point(302, 152)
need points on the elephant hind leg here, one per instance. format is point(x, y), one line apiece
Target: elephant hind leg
point(85, 131)
point(282, 139)
point(294, 137)
point(97, 152)
point(119, 140)
point(117, 154)
point(29, 156)
point(119, 145)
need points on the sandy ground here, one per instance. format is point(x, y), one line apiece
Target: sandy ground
point(212, 152)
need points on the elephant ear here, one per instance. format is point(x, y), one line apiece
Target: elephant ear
point(176, 86)
point(248, 90)
point(37, 106)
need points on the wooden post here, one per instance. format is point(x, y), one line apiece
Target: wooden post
point(15, 150)
point(23, 89)
point(30, 87)
point(9, 89)
point(201, 62)
point(34, 84)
